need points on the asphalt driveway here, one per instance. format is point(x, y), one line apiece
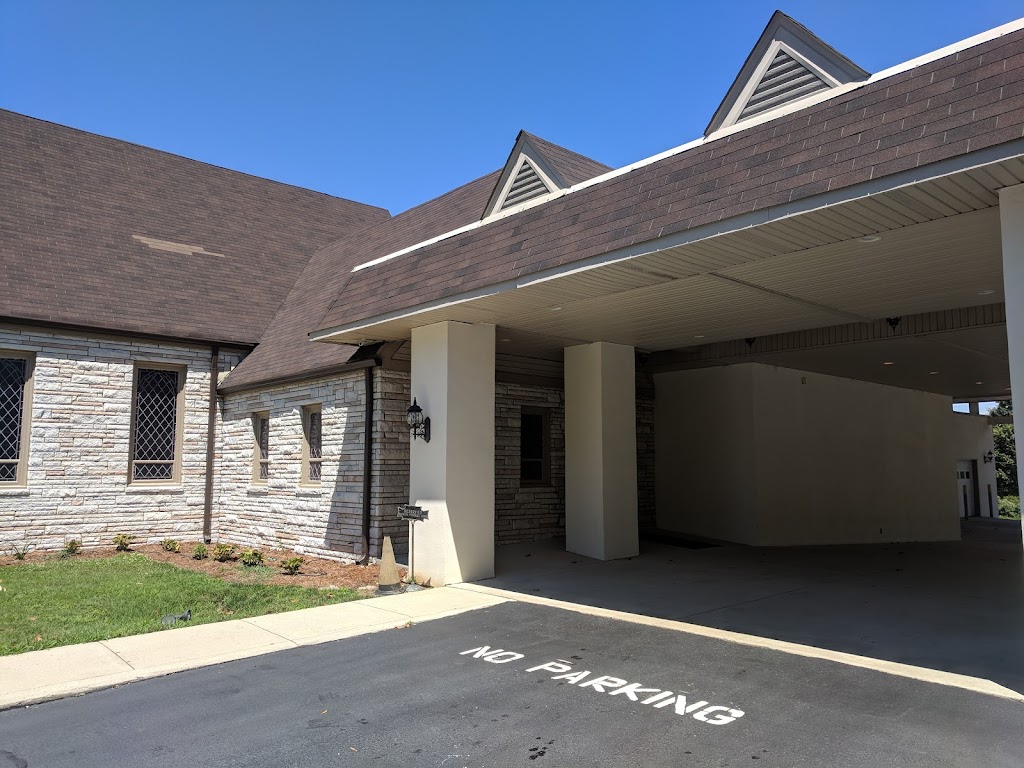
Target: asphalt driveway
point(520, 684)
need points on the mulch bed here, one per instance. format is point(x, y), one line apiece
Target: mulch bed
point(316, 572)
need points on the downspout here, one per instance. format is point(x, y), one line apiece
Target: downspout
point(211, 448)
point(367, 459)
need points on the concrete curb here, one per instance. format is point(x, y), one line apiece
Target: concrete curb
point(71, 670)
point(975, 684)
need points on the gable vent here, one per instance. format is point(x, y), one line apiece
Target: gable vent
point(526, 186)
point(785, 80)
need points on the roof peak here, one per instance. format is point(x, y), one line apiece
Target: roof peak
point(535, 169)
point(787, 64)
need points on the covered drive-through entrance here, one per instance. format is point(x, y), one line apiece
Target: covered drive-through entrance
point(796, 299)
point(803, 371)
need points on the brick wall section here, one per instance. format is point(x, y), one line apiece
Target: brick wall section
point(78, 462)
point(958, 104)
point(526, 513)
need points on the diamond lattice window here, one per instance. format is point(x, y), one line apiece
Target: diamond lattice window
point(314, 446)
point(156, 419)
point(12, 406)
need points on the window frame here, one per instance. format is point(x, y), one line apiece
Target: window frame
point(24, 439)
point(179, 422)
point(307, 458)
point(545, 459)
point(258, 461)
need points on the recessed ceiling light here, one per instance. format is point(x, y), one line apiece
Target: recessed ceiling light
point(698, 335)
point(888, 362)
point(932, 373)
point(979, 382)
point(504, 339)
point(555, 309)
point(986, 292)
point(870, 238)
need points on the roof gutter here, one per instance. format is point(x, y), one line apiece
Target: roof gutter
point(121, 333)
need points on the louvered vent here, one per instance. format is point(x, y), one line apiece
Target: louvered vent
point(526, 186)
point(786, 80)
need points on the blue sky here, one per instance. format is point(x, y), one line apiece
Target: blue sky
point(393, 103)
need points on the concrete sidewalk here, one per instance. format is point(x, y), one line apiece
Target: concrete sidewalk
point(30, 678)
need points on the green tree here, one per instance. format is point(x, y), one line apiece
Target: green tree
point(1005, 451)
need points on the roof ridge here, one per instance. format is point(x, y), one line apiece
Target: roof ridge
point(542, 140)
point(192, 159)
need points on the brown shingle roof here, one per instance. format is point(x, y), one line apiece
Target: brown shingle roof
point(285, 350)
point(957, 104)
point(96, 232)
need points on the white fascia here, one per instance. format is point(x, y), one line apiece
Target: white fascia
point(765, 117)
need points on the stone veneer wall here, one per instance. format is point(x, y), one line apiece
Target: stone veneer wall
point(390, 477)
point(323, 519)
point(78, 464)
point(78, 452)
point(527, 513)
point(645, 452)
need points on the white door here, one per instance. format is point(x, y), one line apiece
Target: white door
point(965, 488)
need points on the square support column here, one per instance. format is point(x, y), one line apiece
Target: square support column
point(452, 476)
point(600, 451)
point(1011, 220)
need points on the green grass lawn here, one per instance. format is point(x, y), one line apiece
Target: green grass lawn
point(59, 602)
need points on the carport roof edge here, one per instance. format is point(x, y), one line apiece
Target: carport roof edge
point(802, 154)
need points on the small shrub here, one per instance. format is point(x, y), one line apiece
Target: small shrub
point(20, 551)
point(170, 545)
point(122, 542)
point(1009, 507)
point(199, 552)
point(251, 557)
point(223, 552)
point(71, 547)
point(292, 565)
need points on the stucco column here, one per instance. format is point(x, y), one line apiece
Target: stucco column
point(452, 476)
point(600, 451)
point(1011, 219)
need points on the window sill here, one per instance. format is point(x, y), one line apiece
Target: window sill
point(15, 490)
point(538, 486)
point(170, 488)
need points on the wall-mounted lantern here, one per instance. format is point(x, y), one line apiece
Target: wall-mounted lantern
point(988, 458)
point(418, 425)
